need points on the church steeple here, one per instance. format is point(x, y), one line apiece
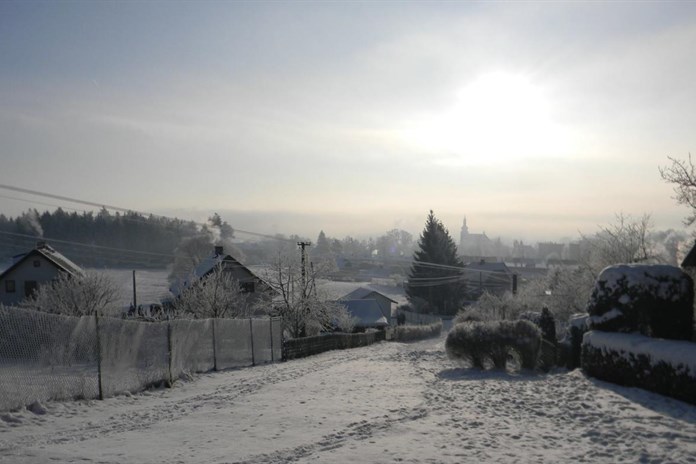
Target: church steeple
point(463, 236)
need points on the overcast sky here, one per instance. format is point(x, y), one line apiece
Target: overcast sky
point(535, 120)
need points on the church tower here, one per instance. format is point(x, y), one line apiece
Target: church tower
point(463, 235)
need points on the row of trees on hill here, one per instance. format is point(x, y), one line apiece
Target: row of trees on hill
point(156, 236)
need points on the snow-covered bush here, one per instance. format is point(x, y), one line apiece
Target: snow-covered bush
point(667, 367)
point(469, 315)
point(654, 300)
point(409, 333)
point(545, 321)
point(83, 295)
point(494, 341)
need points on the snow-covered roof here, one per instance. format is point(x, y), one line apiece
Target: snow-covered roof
point(362, 293)
point(367, 312)
point(49, 253)
point(206, 266)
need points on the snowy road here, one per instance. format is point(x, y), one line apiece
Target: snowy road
point(390, 402)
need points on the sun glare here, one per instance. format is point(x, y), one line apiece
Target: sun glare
point(498, 117)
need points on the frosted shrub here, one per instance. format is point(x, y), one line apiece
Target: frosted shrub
point(494, 341)
point(409, 333)
point(469, 315)
point(654, 300)
point(545, 321)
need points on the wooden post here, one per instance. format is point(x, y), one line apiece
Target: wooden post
point(135, 299)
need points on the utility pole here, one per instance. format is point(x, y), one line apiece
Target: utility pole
point(302, 246)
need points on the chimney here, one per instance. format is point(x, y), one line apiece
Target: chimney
point(41, 244)
point(218, 250)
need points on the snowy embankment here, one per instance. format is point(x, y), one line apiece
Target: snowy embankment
point(389, 402)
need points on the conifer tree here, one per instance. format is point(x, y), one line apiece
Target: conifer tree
point(435, 282)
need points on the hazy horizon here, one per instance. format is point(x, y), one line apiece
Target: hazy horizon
point(536, 121)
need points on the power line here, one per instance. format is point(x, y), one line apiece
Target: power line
point(125, 210)
point(257, 234)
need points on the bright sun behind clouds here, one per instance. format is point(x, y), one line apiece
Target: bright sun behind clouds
point(496, 118)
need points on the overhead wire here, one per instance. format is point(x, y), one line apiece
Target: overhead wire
point(492, 276)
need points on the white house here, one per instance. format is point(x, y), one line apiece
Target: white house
point(41, 265)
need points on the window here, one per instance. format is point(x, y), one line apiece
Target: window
point(10, 286)
point(247, 287)
point(29, 288)
point(37, 263)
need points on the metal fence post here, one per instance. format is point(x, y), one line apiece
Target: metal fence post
point(169, 348)
point(99, 357)
point(251, 336)
point(270, 325)
point(215, 367)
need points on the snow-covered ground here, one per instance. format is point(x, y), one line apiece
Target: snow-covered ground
point(389, 402)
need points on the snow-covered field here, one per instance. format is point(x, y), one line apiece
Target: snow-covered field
point(389, 402)
point(151, 285)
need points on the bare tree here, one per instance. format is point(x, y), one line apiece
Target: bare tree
point(683, 175)
point(626, 241)
point(92, 293)
point(303, 310)
point(217, 294)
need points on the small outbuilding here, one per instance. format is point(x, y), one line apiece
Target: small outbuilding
point(367, 314)
point(383, 301)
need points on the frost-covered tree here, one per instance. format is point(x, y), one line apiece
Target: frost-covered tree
point(435, 283)
point(303, 310)
point(86, 295)
point(625, 241)
point(682, 174)
point(217, 294)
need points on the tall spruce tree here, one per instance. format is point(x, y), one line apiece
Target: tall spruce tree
point(435, 283)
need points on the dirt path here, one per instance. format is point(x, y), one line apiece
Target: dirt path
point(385, 403)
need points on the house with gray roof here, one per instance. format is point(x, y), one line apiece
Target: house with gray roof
point(28, 271)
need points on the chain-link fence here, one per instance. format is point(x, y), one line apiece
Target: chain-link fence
point(52, 357)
